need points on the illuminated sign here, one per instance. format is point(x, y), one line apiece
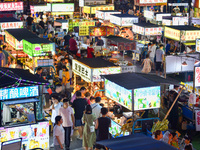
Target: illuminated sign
point(101, 31)
point(197, 76)
point(166, 22)
point(32, 9)
point(41, 8)
point(92, 10)
point(51, 1)
point(81, 3)
point(190, 35)
point(119, 94)
point(147, 98)
point(37, 49)
point(149, 14)
point(152, 1)
point(19, 92)
point(105, 15)
point(123, 21)
point(12, 6)
point(82, 70)
point(84, 27)
point(147, 31)
point(138, 29)
point(13, 42)
point(63, 7)
point(172, 33)
point(197, 45)
point(11, 25)
point(179, 20)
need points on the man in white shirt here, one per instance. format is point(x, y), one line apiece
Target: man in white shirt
point(96, 108)
point(152, 52)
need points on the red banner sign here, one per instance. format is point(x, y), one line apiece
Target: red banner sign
point(13, 6)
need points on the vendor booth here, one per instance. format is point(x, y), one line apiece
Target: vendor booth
point(136, 142)
point(93, 8)
point(37, 48)
point(105, 14)
point(22, 110)
point(123, 20)
point(9, 23)
point(62, 24)
point(15, 37)
point(174, 20)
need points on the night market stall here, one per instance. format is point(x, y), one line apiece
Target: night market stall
point(174, 20)
point(22, 110)
point(37, 49)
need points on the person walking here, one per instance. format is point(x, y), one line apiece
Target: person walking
point(7, 57)
point(152, 52)
point(68, 121)
point(159, 60)
point(41, 28)
point(96, 108)
point(102, 125)
point(73, 45)
point(65, 78)
point(2, 58)
point(29, 21)
point(58, 134)
point(89, 136)
point(147, 64)
point(79, 107)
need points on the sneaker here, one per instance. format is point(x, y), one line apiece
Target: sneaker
point(52, 145)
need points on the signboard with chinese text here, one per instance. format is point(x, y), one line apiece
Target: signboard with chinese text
point(105, 15)
point(84, 27)
point(149, 14)
point(151, 2)
point(86, 9)
point(197, 45)
point(123, 21)
point(119, 94)
point(101, 31)
point(45, 62)
point(41, 8)
point(63, 7)
point(159, 16)
point(172, 33)
point(147, 98)
point(82, 70)
point(190, 35)
point(106, 7)
point(197, 120)
point(12, 6)
point(147, 31)
point(166, 22)
point(197, 76)
point(11, 25)
point(138, 29)
point(10, 39)
point(19, 92)
point(81, 3)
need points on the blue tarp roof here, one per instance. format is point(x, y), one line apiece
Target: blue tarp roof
point(135, 142)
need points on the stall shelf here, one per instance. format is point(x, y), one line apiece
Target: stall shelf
point(9, 23)
point(37, 48)
point(21, 107)
point(105, 14)
point(15, 37)
point(136, 142)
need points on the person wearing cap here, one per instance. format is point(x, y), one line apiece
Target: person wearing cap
point(96, 108)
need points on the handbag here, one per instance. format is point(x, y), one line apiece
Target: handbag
point(92, 129)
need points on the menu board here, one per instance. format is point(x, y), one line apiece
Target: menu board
point(41, 8)
point(11, 25)
point(152, 1)
point(153, 31)
point(149, 14)
point(96, 74)
point(197, 76)
point(33, 136)
point(197, 45)
point(159, 17)
point(147, 98)
point(190, 35)
point(118, 94)
point(107, 7)
point(172, 33)
point(63, 7)
point(12, 6)
point(84, 27)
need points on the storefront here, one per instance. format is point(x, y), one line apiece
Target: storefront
point(15, 37)
point(9, 23)
point(37, 48)
point(105, 14)
point(22, 112)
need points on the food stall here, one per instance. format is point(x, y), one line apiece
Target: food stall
point(22, 110)
point(91, 69)
point(15, 37)
point(9, 23)
point(174, 20)
point(105, 14)
point(62, 9)
point(37, 48)
point(148, 31)
point(93, 8)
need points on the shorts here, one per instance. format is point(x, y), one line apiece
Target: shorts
point(78, 122)
point(159, 66)
point(152, 59)
point(98, 146)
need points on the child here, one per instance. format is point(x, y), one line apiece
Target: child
point(174, 140)
point(147, 64)
point(188, 142)
point(65, 78)
point(102, 125)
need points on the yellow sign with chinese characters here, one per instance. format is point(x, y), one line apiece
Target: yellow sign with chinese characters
point(192, 35)
point(92, 10)
point(172, 34)
point(86, 9)
point(84, 27)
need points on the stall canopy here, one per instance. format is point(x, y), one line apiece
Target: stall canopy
point(122, 43)
point(182, 33)
point(124, 20)
point(136, 142)
point(147, 29)
point(37, 46)
point(10, 23)
point(18, 77)
point(90, 69)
